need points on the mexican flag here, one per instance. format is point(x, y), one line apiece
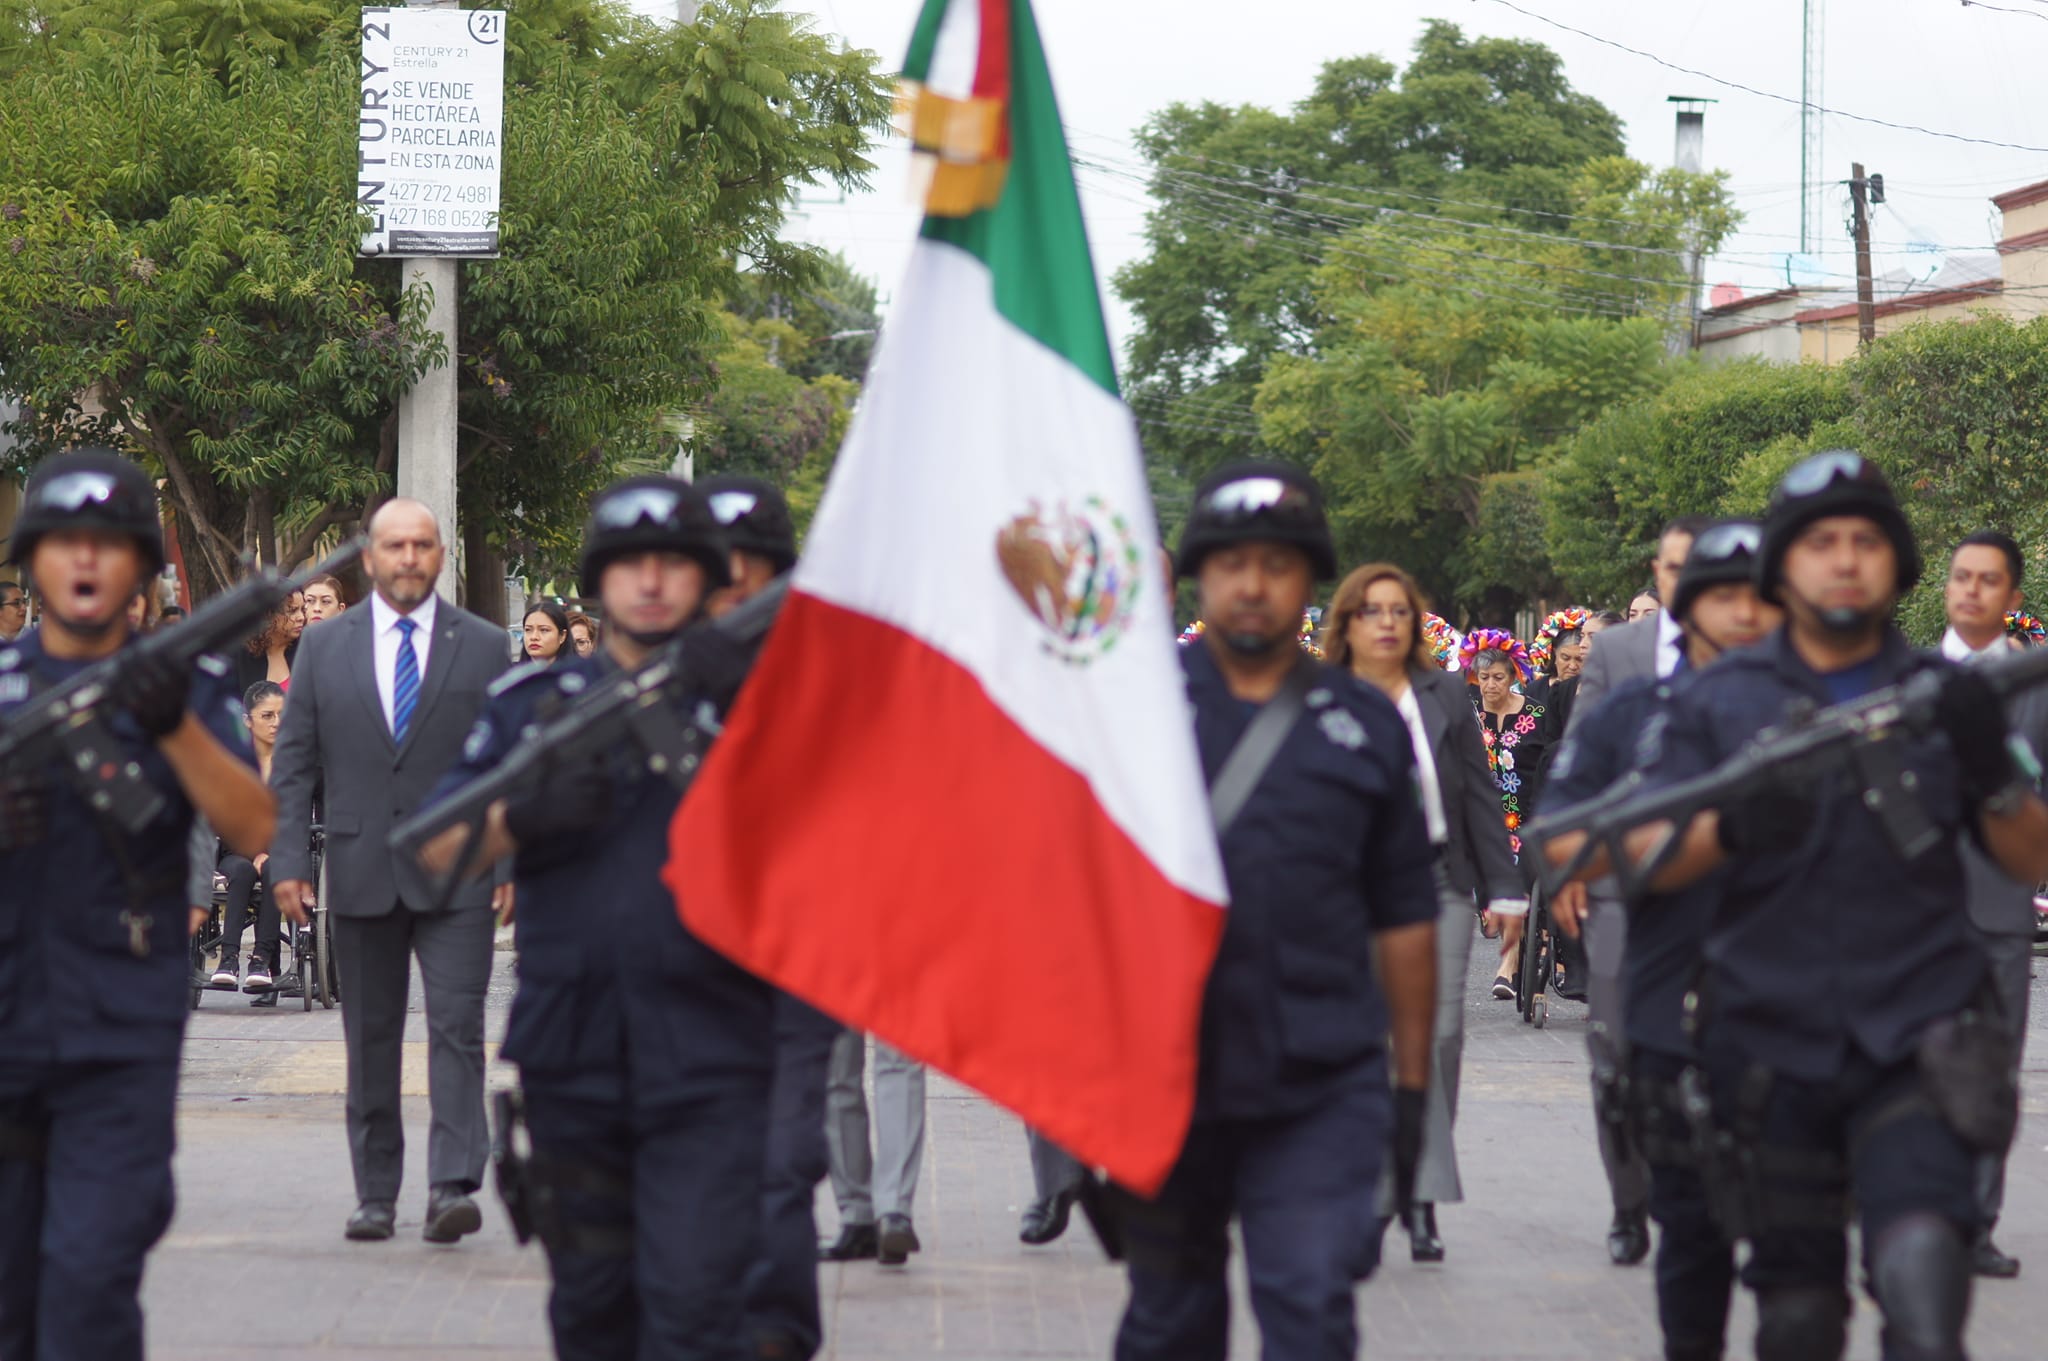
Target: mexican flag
point(958, 805)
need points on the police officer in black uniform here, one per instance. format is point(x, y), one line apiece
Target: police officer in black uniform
point(644, 1057)
point(1839, 1015)
point(1328, 865)
point(782, 1287)
point(93, 925)
point(1718, 610)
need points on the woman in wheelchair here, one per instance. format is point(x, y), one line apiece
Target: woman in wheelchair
point(264, 704)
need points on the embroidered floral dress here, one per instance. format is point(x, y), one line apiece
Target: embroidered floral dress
point(1514, 753)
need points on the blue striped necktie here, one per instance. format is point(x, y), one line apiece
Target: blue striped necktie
point(405, 683)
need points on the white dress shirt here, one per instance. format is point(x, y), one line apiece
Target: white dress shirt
point(385, 638)
point(1670, 644)
point(1425, 769)
point(1956, 650)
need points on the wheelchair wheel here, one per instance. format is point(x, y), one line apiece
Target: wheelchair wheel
point(323, 961)
point(303, 964)
point(1536, 958)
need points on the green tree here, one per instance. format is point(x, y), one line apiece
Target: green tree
point(180, 268)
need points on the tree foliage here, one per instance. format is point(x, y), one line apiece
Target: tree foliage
point(178, 269)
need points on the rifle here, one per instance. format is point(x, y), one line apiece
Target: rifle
point(1863, 735)
point(639, 711)
point(70, 720)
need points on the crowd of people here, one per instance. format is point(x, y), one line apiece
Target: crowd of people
point(1376, 778)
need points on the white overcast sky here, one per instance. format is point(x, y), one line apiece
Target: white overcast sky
point(1953, 67)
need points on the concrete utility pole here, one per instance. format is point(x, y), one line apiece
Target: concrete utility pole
point(1866, 302)
point(1689, 153)
point(1813, 65)
point(426, 413)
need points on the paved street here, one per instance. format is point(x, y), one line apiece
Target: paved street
point(255, 1263)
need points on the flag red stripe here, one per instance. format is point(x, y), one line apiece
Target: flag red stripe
point(873, 833)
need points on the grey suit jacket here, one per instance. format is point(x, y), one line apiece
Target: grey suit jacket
point(1618, 654)
point(334, 736)
point(1477, 857)
point(2000, 905)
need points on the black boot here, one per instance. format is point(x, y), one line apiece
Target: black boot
point(1628, 1237)
point(1423, 1243)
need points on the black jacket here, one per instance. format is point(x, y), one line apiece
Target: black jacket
point(1476, 857)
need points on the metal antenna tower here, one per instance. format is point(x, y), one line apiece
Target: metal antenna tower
point(1812, 197)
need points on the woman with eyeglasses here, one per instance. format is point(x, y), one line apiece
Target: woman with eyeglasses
point(1374, 631)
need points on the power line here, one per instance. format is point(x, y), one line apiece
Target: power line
point(2007, 9)
point(1764, 94)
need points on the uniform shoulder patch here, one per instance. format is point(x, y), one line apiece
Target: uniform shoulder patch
point(213, 664)
point(10, 658)
point(478, 741)
point(516, 677)
point(1342, 728)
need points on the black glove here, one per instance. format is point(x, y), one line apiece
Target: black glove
point(156, 691)
point(1968, 713)
point(24, 812)
point(1410, 1105)
point(1772, 821)
point(716, 662)
point(576, 802)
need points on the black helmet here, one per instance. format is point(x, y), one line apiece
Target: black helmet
point(90, 489)
point(1252, 500)
point(652, 514)
point(1836, 482)
point(754, 516)
point(1723, 551)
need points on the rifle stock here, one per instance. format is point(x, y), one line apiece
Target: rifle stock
point(636, 710)
point(70, 719)
point(1851, 733)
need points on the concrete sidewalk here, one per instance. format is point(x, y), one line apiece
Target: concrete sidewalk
point(255, 1262)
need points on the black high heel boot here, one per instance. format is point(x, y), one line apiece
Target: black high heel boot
point(1423, 1243)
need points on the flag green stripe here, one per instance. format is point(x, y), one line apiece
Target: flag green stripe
point(924, 38)
point(1033, 241)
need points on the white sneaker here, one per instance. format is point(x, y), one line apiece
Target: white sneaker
point(225, 974)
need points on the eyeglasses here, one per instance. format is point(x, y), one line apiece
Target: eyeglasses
point(1398, 614)
point(728, 506)
point(1248, 497)
point(1718, 543)
point(1811, 476)
point(637, 506)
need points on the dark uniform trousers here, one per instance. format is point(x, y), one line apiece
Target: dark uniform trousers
point(1695, 1262)
point(782, 1286)
point(685, 1185)
point(69, 1280)
point(1902, 1159)
point(1302, 1189)
point(2012, 974)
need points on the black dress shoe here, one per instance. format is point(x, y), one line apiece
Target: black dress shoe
point(373, 1222)
point(1423, 1243)
point(1628, 1237)
point(895, 1240)
point(1987, 1260)
point(1045, 1220)
point(451, 1213)
point(854, 1243)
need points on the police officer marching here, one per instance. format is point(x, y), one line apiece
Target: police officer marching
point(1717, 609)
point(644, 1057)
point(783, 1318)
point(1329, 945)
point(93, 923)
point(1841, 1015)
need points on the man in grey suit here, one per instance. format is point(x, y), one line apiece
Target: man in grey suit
point(1649, 647)
point(381, 701)
point(1983, 586)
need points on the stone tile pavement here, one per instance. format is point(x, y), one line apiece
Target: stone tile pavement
point(255, 1265)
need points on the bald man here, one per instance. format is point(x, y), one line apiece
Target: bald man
point(382, 698)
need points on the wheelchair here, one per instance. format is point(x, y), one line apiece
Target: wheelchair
point(1539, 960)
point(306, 953)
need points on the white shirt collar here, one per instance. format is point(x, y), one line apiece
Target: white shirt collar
point(385, 618)
point(1670, 643)
point(1956, 650)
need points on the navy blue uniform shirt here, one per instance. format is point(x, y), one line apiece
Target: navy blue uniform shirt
point(616, 997)
point(94, 958)
point(1330, 848)
point(1667, 932)
point(1842, 941)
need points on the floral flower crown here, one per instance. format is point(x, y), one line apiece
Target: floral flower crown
point(2020, 624)
point(1559, 623)
point(1442, 640)
point(1495, 640)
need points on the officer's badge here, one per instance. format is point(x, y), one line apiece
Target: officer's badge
point(1078, 571)
point(479, 738)
point(13, 688)
point(1319, 698)
point(9, 658)
point(1342, 729)
point(572, 683)
point(212, 665)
